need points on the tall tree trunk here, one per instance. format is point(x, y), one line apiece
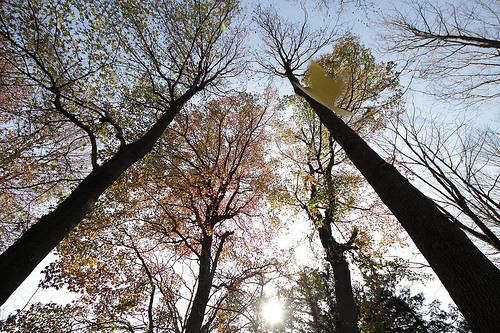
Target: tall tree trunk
point(21, 258)
point(205, 278)
point(472, 281)
point(347, 320)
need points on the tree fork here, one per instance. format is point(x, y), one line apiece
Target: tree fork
point(472, 281)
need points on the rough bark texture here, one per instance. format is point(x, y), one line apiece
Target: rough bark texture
point(471, 279)
point(21, 258)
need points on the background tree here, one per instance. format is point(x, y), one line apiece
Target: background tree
point(455, 42)
point(385, 306)
point(443, 244)
point(383, 302)
point(459, 165)
point(185, 230)
point(314, 302)
point(220, 189)
point(326, 187)
point(113, 75)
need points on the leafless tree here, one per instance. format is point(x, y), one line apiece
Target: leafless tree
point(460, 165)
point(281, 48)
point(456, 43)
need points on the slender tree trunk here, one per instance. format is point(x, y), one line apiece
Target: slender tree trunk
point(346, 307)
point(347, 320)
point(21, 258)
point(205, 278)
point(472, 281)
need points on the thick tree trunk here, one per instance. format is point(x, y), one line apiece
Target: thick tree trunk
point(21, 258)
point(205, 278)
point(471, 279)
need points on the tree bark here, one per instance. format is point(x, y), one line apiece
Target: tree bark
point(346, 311)
point(205, 278)
point(472, 281)
point(21, 258)
point(347, 319)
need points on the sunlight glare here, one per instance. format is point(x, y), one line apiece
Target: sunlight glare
point(272, 311)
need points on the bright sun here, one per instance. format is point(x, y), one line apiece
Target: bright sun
point(272, 311)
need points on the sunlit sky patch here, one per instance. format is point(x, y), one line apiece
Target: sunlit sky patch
point(272, 311)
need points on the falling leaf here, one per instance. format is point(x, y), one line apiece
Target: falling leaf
point(323, 90)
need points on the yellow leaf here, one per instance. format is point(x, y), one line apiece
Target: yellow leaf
point(323, 90)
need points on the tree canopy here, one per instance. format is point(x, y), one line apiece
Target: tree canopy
point(138, 147)
point(115, 74)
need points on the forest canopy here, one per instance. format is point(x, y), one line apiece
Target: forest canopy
point(170, 158)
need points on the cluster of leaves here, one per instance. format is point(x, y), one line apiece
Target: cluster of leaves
point(372, 91)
